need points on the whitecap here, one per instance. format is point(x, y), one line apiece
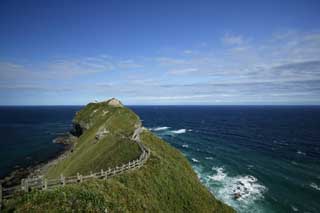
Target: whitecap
point(209, 158)
point(295, 209)
point(161, 128)
point(301, 153)
point(185, 145)
point(315, 186)
point(245, 189)
point(219, 176)
point(195, 160)
point(240, 192)
point(179, 131)
point(250, 166)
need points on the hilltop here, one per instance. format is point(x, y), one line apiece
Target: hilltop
point(107, 135)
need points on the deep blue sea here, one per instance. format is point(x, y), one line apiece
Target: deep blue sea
point(269, 155)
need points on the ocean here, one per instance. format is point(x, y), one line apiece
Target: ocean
point(266, 156)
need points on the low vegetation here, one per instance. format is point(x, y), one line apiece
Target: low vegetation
point(166, 183)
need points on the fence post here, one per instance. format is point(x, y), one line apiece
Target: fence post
point(0, 196)
point(78, 176)
point(63, 181)
point(102, 173)
point(81, 178)
point(26, 185)
point(22, 185)
point(45, 184)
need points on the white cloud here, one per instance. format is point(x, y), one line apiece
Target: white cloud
point(233, 39)
point(187, 52)
point(183, 71)
point(284, 66)
point(170, 61)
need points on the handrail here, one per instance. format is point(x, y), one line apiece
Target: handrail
point(42, 183)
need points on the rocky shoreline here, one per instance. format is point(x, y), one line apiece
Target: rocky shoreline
point(37, 168)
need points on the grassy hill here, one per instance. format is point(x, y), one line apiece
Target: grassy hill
point(166, 183)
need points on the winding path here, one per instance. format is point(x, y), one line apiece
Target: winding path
point(41, 183)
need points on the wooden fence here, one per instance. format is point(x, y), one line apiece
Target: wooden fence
point(42, 183)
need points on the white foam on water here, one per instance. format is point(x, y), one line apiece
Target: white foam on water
point(241, 192)
point(179, 131)
point(295, 209)
point(301, 153)
point(209, 158)
point(283, 143)
point(160, 128)
point(189, 130)
point(185, 145)
point(195, 160)
point(219, 176)
point(315, 186)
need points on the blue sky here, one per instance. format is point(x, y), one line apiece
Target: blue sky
point(160, 52)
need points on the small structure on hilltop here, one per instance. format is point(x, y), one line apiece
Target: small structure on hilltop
point(114, 102)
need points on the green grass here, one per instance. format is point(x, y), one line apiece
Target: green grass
point(113, 150)
point(166, 183)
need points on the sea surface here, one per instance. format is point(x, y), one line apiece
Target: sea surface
point(268, 156)
point(27, 134)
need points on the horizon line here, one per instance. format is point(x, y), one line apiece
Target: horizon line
point(128, 105)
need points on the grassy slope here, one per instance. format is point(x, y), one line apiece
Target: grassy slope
point(166, 183)
point(90, 155)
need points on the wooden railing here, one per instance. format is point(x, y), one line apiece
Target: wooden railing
point(42, 183)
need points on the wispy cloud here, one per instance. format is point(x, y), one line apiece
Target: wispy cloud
point(284, 68)
point(233, 39)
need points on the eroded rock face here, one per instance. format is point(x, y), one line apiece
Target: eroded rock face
point(76, 130)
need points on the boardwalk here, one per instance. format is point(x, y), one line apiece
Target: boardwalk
point(41, 183)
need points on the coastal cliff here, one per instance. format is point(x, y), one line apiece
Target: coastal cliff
point(109, 135)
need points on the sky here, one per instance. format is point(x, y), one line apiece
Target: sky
point(160, 52)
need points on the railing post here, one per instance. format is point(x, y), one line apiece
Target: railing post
point(63, 181)
point(22, 185)
point(45, 184)
point(78, 177)
point(26, 185)
point(0, 196)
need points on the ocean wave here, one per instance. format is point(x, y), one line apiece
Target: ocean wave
point(295, 209)
point(161, 128)
point(209, 158)
point(241, 192)
point(281, 143)
point(179, 131)
point(301, 153)
point(315, 186)
point(195, 160)
point(219, 176)
point(185, 145)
